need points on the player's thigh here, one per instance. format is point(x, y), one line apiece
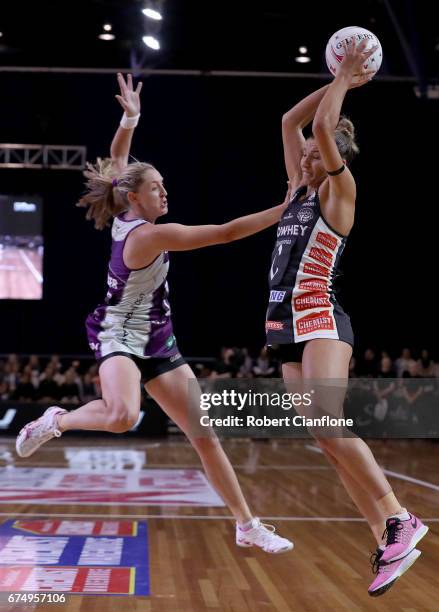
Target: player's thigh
point(177, 392)
point(120, 382)
point(325, 368)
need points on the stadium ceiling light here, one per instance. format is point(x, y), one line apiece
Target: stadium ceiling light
point(106, 32)
point(303, 58)
point(152, 14)
point(151, 42)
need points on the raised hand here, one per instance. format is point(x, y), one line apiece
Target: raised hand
point(129, 99)
point(354, 60)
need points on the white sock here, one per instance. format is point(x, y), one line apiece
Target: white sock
point(402, 516)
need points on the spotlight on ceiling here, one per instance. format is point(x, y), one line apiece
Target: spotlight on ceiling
point(106, 32)
point(303, 57)
point(152, 14)
point(151, 42)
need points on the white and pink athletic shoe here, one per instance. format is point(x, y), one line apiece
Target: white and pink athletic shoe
point(262, 535)
point(388, 573)
point(36, 433)
point(402, 534)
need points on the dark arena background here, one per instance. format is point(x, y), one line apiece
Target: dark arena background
point(131, 519)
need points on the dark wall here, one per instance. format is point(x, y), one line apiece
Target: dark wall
point(217, 142)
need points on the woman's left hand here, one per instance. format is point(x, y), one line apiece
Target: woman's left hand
point(129, 99)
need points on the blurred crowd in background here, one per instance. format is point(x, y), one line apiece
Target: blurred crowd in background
point(73, 380)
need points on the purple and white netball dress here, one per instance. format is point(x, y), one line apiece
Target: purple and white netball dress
point(135, 318)
point(305, 259)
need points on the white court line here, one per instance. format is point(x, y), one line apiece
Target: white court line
point(422, 483)
point(201, 517)
point(314, 449)
point(31, 266)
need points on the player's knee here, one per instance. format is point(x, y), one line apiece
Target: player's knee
point(120, 418)
point(322, 443)
point(332, 446)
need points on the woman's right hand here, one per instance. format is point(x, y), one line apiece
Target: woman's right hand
point(355, 56)
point(129, 99)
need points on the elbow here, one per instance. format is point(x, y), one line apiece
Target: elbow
point(288, 120)
point(225, 234)
point(118, 164)
point(320, 127)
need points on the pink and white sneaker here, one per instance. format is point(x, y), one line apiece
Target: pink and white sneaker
point(402, 536)
point(388, 573)
point(262, 535)
point(36, 433)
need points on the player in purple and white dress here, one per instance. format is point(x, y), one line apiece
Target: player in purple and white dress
point(312, 333)
point(131, 332)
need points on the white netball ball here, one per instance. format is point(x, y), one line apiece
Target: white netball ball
point(335, 50)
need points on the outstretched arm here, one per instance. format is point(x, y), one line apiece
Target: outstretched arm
point(293, 123)
point(129, 99)
point(146, 242)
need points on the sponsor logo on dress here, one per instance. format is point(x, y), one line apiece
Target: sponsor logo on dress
point(313, 284)
point(305, 215)
point(311, 300)
point(275, 325)
point(277, 296)
point(291, 230)
point(312, 268)
point(327, 240)
point(112, 282)
point(129, 315)
point(170, 341)
point(315, 322)
point(321, 255)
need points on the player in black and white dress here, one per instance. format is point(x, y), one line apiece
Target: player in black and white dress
point(304, 319)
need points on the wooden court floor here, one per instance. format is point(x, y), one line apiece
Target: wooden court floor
point(194, 562)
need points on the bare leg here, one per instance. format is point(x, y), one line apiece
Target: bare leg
point(118, 409)
point(366, 505)
point(170, 391)
point(360, 474)
point(329, 359)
